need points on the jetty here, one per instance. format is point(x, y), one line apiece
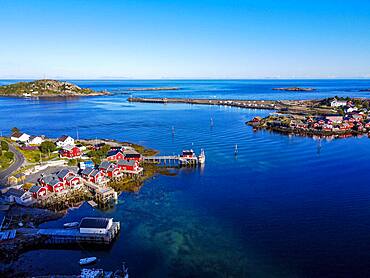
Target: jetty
point(187, 158)
point(254, 104)
point(101, 231)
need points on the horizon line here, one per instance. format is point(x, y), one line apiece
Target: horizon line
point(188, 78)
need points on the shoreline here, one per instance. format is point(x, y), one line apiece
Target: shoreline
point(340, 117)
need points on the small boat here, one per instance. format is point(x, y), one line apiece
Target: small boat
point(71, 225)
point(202, 157)
point(86, 261)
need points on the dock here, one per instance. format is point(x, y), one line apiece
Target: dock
point(74, 236)
point(172, 160)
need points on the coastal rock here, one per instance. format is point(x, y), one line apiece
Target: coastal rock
point(295, 89)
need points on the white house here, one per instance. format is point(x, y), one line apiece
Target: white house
point(65, 141)
point(18, 196)
point(35, 140)
point(19, 136)
point(338, 103)
point(92, 225)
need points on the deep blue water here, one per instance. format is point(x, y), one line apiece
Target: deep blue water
point(284, 207)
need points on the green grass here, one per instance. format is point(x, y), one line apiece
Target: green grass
point(34, 156)
point(5, 162)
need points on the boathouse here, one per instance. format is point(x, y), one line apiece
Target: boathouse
point(92, 225)
point(132, 155)
point(130, 165)
point(38, 191)
point(52, 183)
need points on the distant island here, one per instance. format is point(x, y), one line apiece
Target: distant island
point(155, 89)
point(295, 89)
point(47, 88)
point(365, 90)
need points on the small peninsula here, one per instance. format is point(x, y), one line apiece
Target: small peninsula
point(295, 89)
point(47, 88)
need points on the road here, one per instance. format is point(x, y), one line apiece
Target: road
point(18, 161)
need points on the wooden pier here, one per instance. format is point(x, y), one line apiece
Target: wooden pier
point(172, 160)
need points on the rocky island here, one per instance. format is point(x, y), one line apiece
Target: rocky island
point(154, 89)
point(295, 89)
point(47, 88)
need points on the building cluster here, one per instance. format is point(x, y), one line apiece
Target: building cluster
point(353, 119)
point(27, 139)
point(119, 162)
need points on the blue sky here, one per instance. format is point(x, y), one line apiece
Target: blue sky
point(184, 39)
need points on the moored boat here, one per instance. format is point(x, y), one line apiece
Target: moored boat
point(71, 225)
point(86, 261)
point(202, 157)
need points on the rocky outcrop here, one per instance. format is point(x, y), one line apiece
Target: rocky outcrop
point(295, 89)
point(47, 88)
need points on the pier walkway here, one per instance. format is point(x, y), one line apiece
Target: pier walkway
point(174, 160)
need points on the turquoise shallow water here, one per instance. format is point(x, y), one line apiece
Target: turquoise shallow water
point(284, 207)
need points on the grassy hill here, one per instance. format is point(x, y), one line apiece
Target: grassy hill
point(46, 87)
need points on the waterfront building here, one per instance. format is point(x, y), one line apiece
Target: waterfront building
point(18, 196)
point(128, 165)
point(38, 191)
point(92, 225)
point(52, 183)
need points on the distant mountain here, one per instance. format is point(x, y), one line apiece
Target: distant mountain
point(47, 88)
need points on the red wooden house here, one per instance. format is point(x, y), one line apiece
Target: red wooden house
point(38, 191)
point(73, 181)
point(52, 183)
point(93, 175)
point(115, 155)
point(129, 165)
point(110, 169)
point(70, 152)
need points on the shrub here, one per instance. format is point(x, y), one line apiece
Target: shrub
point(9, 155)
point(4, 146)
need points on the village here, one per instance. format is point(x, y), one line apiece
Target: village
point(337, 117)
point(49, 176)
point(57, 178)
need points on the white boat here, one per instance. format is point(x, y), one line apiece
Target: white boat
point(88, 260)
point(202, 157)
point(71, 225)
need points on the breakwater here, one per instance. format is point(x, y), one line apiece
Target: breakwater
point(254, 104)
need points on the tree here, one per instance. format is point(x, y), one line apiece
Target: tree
point(4, 146)
point(15, 130)
point(72, 162)
point(9, 155)
point(47, 146)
